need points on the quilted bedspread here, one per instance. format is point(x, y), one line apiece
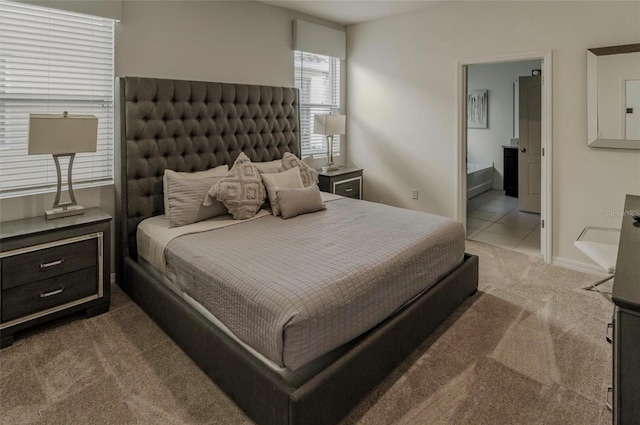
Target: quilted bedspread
point(296, 289)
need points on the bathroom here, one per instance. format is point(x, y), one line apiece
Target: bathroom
point(496, 212)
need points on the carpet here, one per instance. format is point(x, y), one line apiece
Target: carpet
point(528, 348)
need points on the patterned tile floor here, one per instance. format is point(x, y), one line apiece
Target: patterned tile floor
point(494, 218)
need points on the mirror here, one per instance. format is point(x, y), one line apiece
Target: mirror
point(613, 97)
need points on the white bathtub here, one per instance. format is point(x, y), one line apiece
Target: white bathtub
point(479, 178)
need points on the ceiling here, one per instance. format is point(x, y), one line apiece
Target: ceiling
point(347, 12)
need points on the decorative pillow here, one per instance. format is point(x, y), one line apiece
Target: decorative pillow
point(294, 202)
point(269, 166)
point(309, 175)
point(219, 171)
point(289, 179)
point(185, 197)
point(308, 160)
point(241, 191)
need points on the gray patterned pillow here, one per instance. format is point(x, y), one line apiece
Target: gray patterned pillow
point(309, 175)
point(241, 191)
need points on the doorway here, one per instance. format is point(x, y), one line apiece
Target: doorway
point(501, 215)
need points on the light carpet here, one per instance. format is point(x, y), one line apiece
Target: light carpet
point(528, 348)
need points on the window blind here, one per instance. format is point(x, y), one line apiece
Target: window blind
point(318, 79)
point(53, 61)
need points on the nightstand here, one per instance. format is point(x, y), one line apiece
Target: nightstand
point(50, 268)
point(346, 181)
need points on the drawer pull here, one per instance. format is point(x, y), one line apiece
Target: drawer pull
point(51, 264)
point(606, 401)
point(608, 336)
point(349, 190)
point(52, 293)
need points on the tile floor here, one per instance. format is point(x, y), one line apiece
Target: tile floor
point(494, 218)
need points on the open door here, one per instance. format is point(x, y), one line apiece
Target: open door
point(530, 144)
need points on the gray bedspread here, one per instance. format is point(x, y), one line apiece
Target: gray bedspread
point(296, 289)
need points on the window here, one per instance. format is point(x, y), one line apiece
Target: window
point(53, 61)
point(318, 79)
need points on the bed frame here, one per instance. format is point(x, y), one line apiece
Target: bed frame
point(193, 126)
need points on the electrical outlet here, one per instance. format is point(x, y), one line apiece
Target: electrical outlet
point(414, 193)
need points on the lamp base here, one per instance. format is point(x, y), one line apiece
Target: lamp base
point(330, 168)
point(64, 212)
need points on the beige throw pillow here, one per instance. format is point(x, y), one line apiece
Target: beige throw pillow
point(185, 199)
point(309, 175)
point(241, 190)
point(219, 171)
point(274, 182)
point(294, 202)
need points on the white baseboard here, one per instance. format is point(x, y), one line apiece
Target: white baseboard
point(577, 265)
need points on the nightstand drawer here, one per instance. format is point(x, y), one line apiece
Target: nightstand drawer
point(349, 188)
point(44, 294)
point(45, 263)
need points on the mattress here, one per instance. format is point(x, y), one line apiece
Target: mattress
point(296, 289)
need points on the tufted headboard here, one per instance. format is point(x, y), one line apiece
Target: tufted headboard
point(190, 126)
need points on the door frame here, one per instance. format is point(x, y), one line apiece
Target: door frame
point(546, 210)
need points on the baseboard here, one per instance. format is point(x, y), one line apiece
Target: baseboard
point(577, 265)
point(113, 278)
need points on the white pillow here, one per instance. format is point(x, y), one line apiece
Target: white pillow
point(289, 179)
point(219, 171)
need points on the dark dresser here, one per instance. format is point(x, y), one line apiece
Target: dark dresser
point(626, 320)
point(49, 268)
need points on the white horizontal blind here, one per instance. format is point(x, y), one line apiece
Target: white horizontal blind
point(318, 79)
point(53, 61)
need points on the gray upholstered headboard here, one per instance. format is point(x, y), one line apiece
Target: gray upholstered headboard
point(191, 126)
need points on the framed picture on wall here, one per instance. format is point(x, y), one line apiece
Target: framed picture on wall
point(477, 109)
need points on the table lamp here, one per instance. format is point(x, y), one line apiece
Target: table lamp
point(329, 125)
point(62, 135)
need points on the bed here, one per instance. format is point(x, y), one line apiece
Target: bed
point(189, 126)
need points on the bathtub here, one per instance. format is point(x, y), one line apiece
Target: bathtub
point(479, 178)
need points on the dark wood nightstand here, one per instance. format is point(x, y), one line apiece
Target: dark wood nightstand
point(346, 181)
point(50, 268)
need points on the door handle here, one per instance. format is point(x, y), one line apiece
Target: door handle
point(523, 150)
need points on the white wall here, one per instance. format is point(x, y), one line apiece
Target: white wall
point(484, 145)
point(227, 41)
point(402, 105)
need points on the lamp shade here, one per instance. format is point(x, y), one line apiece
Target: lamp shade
point(329, 124)
point(62, 133)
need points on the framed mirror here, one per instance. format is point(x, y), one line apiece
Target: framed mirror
point(613, 97)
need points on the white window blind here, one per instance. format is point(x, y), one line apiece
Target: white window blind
point(53, 61)
point(318, 79)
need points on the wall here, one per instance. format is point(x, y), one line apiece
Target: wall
point(402, 104)
point(484, 145)
point(234, 41)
